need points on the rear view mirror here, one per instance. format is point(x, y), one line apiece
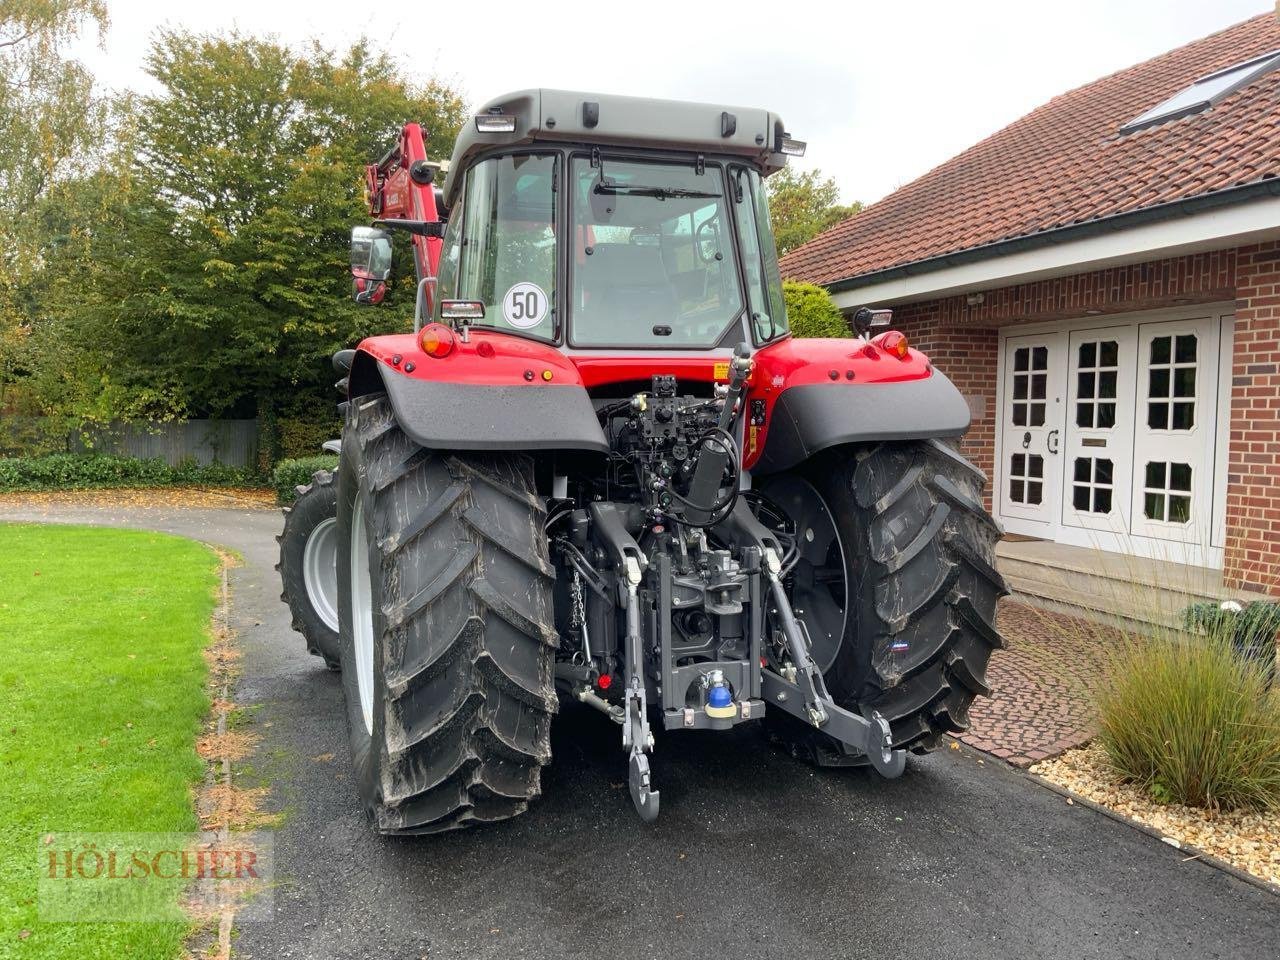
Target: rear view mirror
point(370, 254)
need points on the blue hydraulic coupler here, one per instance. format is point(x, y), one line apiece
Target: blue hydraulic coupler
point(719, 697)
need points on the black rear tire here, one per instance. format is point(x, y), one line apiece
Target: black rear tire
point(315, 505)
point(463, 641)
point(922, 590)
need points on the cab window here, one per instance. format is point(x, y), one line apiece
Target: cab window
point(506, 252)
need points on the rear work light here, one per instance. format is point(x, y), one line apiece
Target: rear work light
point(894, 343)
point(436, 340)
point(495, 123)
point(461, 309)
point(792, 148)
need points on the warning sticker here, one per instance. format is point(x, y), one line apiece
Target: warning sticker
point(525, 305)
point(721, 370)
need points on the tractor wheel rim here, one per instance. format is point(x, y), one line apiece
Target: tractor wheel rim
point(818, 587)
point(362, 613)
point(320, 571)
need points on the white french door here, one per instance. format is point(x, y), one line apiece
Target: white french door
point(1113, 433)
point(1098, 441)
point(1174, 430)
point(1031, 432)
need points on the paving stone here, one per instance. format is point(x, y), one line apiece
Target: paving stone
point(1043, 686)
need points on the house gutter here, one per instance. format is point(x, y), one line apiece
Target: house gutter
point(1190, 206)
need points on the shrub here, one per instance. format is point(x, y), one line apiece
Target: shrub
point(291, 474)
point(1191, 722)
point(811, 312)
point(304, 438)
point(63, 471)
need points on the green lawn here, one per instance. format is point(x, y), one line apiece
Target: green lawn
point(101, 698)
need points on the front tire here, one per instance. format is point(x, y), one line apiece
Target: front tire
point(308, 566)
point(917, 602)
point(445, 607)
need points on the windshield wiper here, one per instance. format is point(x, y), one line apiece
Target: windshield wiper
point(658, 193)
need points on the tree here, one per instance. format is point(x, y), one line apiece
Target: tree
point(216, 283)
point(802, 205)
point(811, 312)
point(48, 116)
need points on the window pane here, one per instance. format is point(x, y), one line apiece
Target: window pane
point(1020, 358)
point(1180, 476)
point(508, 257)
point(1179, 509)
point(1184, 416)
point(1155, 474)
point(1158, 385)
point(1019, 414)
point(1153, 506)
point(1161, 349)
point(1103, 470)
point(1110, 354)
point(1035, 492)
point(1035, 465)
point(1040, 359)
point(1039, 385)
point(1085, 383)
point(1037, 414)
point(659, 272)
point(1158, 416)
point(1080, 498)
point(1186, 350)
point(1016, 489)
point(1084, 414)
point(760, 260)
point(1184, 382)
point(1107, 384)
point(1082, 469)
point(1102, 500)
point(1018, 464)
point(1088, 354)
point(1106, 415)
point(1020, 386)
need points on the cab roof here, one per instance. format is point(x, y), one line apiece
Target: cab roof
point(557, 116)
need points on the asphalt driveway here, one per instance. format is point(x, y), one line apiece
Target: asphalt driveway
point(754, 855)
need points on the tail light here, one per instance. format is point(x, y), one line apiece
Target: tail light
point(436, 340)
point(894, 343)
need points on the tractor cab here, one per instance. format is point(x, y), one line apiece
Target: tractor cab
point(613, 223)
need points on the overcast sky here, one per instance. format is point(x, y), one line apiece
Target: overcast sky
point(882, 92)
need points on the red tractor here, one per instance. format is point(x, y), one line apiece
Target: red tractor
point(602, 470)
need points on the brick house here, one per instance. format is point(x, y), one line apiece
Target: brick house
point(1101, 279)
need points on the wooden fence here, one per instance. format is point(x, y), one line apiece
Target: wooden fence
point(231, 442)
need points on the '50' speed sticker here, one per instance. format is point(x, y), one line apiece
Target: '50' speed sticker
point(524, 305)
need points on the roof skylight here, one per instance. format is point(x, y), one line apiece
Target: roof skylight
point(1205, 92)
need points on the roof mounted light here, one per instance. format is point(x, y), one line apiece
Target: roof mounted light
point(495, 121)
point(791, 148)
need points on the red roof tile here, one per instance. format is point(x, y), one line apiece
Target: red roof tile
point(1066, 163)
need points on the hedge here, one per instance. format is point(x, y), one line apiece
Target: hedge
point(811, 312)
point(291, 474)
point(63, 471)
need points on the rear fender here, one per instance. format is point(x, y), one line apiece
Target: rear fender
point(494, 392)
point(810, 395)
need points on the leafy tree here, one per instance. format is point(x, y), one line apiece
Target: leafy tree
point(811, 312)
point(802, 205)
point(214, 282)
point(48, 116)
